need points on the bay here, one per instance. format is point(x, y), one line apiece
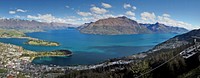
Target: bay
point(89, 48)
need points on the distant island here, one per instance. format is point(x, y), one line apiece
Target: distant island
point(41, 42)
point(124, 25)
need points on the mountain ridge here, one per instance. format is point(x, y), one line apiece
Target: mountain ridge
point(113, 26)
point(124, 25)
point(162, 28)
point(30, 25)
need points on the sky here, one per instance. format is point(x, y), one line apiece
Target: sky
point(181, 13)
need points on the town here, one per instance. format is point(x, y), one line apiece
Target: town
point(14, 64)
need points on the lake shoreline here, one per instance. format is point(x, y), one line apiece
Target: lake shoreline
point(84, 45)
point(56, 53)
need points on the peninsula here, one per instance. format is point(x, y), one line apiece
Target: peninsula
point(16, 59)
point(10, 33)
point(33, 55)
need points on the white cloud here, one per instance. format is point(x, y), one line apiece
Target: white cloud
point(84, 13)
point(98, 10)
point(67, 6)
point(96, 17)
point(120, 15)
point(103, 16)
point(101, 13)
point(93, 5)
point(105, 5)
point(17, 10)
point(2, 18)
point(165, 19)
point(133, 18)
point(134, 8)
point(21, 10)
point(130, 13)
point(12, 12)
point(147, 16)
point(87, 19)
point(50, 18)
point(17, 16)
point(166, 15)
point(127, 6)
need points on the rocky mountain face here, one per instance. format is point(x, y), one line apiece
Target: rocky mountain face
point(161, 28)
point(32, 25)
point(124, 25)
point(114, 26)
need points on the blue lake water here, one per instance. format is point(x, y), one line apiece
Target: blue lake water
point(90, 49)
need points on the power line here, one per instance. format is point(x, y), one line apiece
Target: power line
point(165, 62)
point(157, 66)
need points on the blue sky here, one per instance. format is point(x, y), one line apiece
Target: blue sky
point(183, 13)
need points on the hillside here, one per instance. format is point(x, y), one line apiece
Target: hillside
point(124, 25)
point(178, 67)
point(11, 33)
point(178, 40)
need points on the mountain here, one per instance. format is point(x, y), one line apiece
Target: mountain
point(161, 28)
point(124, 25)
point(114, 26)
point(30, 25)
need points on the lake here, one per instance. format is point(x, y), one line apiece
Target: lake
point(87, 48)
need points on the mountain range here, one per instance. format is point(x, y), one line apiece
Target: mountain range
point(124, 25)
point(162, 28)
point(30, 25)
point(109, 26)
